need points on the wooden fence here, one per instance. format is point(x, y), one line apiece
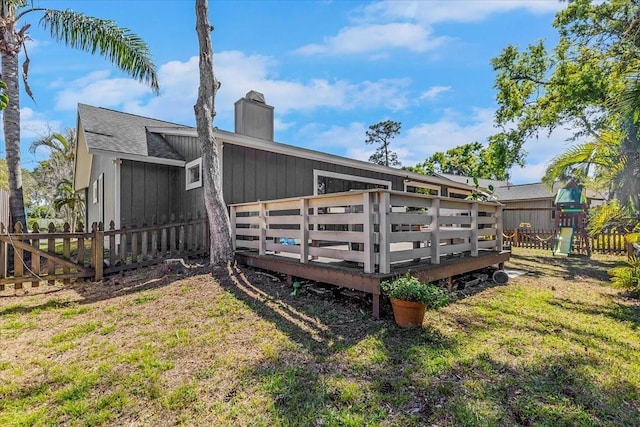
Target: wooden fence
point(612, 243)
point(38, 256)
point(375, 228)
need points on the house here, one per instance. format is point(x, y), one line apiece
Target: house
point(134, 168)
point(532, 205)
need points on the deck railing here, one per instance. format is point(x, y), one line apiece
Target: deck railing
point(375, 228)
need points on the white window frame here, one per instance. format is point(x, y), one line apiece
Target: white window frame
point(419, 184)
point(194, 163)
point(317, 173)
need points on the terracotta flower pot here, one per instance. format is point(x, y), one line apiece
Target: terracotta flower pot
point(408, 313)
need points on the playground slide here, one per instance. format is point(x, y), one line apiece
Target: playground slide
point(564, 241)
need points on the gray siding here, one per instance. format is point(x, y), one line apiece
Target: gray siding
point(185, 201)
point(250, 174)
point(104, 209)
point(148, 191)
point(539, 220)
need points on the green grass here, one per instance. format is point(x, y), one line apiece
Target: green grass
point(555, 347)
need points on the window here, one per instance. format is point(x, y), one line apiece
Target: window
point(421, 188)
point(458, 194)
point(95, 191)
point(193, 172)
point(333, 182)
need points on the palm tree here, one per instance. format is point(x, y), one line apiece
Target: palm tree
point(69, 202)
point(57, 171)
point(119, 45)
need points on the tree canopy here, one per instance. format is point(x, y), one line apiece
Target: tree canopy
point(118, 45)
point(587, 83)
point(471, 159)
point(380, 135)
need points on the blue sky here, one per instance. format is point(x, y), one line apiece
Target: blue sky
point(330, 69)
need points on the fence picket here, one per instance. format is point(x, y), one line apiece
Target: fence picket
point(138, 247)
point(612, 243)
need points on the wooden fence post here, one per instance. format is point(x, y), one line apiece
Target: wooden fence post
point(35, 258)
point(181, 237)
point(154, 237)
point(3, 256)
point(66, 251)
point(51, 248)
point(18, 257)
point(98, 251)
point(80, 251)
point(172, 235)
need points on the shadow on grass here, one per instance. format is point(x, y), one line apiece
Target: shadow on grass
point(352, 370)
point(568, 267)
point(51, 304)
point(619, 311)
point(555, 390)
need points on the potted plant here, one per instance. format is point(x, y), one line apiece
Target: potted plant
point(410, 298)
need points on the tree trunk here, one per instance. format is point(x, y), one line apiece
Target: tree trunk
point(221, 250)
point(11, 122)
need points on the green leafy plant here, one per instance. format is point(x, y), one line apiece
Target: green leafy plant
point(409, 288)
point(628, 276)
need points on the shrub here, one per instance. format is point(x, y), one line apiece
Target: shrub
point(409, 288)
point(627, 277)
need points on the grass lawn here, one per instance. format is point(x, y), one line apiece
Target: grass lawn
point(554, 347)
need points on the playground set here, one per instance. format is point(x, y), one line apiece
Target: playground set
point(570, 219)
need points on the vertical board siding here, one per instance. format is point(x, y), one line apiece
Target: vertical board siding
point(539, 219)
point(250, 174)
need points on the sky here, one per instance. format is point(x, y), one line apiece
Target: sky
point(329, 68)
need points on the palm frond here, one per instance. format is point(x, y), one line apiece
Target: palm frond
point(119, 45)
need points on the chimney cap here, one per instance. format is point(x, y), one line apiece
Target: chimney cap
point(255, 96)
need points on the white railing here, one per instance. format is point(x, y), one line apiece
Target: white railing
point(375, 228)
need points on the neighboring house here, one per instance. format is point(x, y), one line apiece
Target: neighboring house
point(134, 168)
point(532, 205)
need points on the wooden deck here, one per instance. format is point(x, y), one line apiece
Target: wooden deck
point(361, 238)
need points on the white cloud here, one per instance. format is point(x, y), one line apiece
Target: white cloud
point(98, 88)
point(373, 38)
point(433, 12)
point(238, 73)
point(433, 92)
point(387, 25)
point(35, 125)
point(419, 142)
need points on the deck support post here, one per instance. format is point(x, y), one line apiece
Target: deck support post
point(262, 247)
point(375, 302)
point(435, 231)
point(369, 250)
point(474, 229)
point(304, 230)
point(385, 232)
